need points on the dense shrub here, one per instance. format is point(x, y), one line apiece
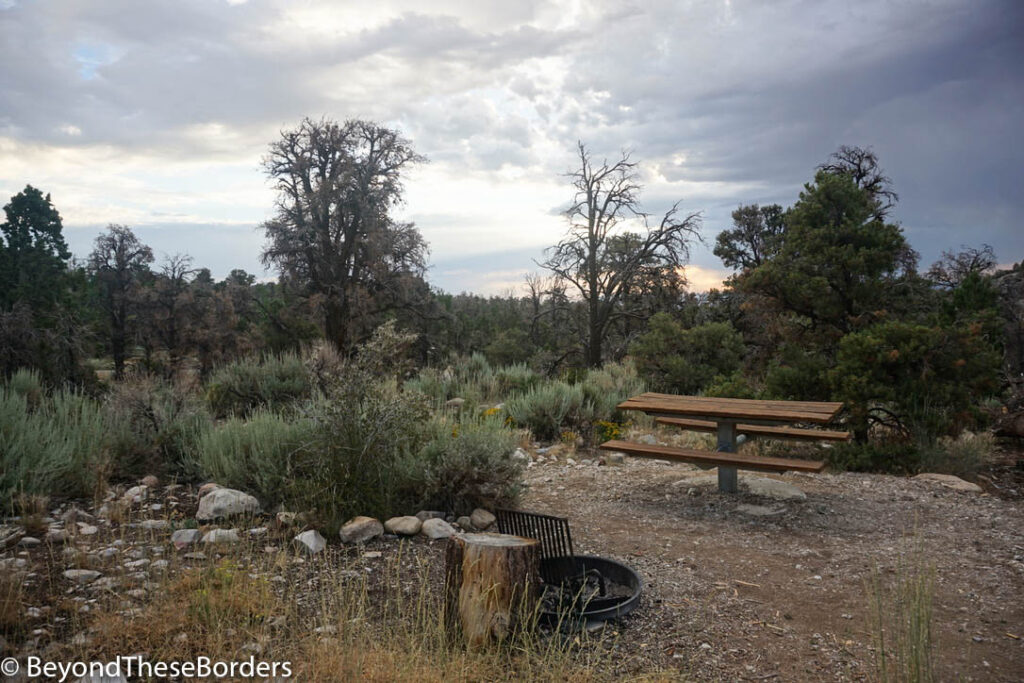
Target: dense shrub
point(962, 456)
point(61, 445)
point(162, 423)
point(928, 380)
point(468, 465)
point(677, 360)
point(255, 455)
point(244, 385)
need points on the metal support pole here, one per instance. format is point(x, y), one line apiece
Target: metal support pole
point(728, 481)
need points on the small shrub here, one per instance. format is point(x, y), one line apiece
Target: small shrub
point(515, 378)
point(28, 384)
point(470, 467)
point(240, 387)
point(255, 455)
point(159, 424)
point(549, 408)
point(962, 456)
point(684, 361)
point(607, 387)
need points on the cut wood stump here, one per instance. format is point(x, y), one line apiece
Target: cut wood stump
point(492, 583)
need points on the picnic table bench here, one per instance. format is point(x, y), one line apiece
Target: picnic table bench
point(729, 417)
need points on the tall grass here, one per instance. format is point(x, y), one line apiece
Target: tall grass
point(901, 619)
point(549, 408)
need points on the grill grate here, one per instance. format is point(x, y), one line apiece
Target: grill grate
point(552, 532)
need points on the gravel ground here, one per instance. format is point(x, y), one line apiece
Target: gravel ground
point(740, 586)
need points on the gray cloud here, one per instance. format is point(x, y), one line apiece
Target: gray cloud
point(730, 102)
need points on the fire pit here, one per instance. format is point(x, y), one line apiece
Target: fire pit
point(577, 589)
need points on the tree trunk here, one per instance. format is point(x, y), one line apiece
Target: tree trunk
point(492, 585)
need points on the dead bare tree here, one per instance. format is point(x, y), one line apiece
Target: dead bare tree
point(606, 201)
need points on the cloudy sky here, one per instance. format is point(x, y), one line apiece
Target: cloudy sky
point(156, 114)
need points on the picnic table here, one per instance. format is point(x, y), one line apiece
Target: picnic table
point(729, 417)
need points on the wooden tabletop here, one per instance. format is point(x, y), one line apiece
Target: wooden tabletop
point(814, 412)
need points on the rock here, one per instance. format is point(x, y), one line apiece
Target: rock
point(613, 459)
point(53, 537)
point(424, 515)
point(404, 526)
point(136, 494)
point(87, 529)
point(455, 403)
point(221, 537)
point(183, 538)
point(286, 519)
point(258, 532)
point(150, 481)
point(32, 542)
point(648, 439)
point(520, 454)
point(373, 555)
point(207, 488)
point(758, 510)
point(465, 523)
point(360, 530)
point(109, 553)
point(482, 519)
point(74, 515)
point(81, 576)
point(949, 481)
point(194, 556)
point(159, 565)
point(437, 528)
point(222, 503)
point(310, 542)
point(155, 524)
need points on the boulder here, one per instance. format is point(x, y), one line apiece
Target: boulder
point(221, 536)
point(465, 523)
point(482, 519)
point(286, 519)
point(74, 515)
point(87, 529)
point(360, 530)
point(81, 576)
point(54, 536)
point(223, 503)
point(520, 454)
point(949, 481)
point(424, 515)
point(183, 538)
point(155, 524)
point(150, 480)
point(310, 542)
point(437, 528)
point(404, 526)
point(31, 541)
point(455, 403)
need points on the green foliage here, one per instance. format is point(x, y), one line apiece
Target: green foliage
point(27, 384)
point(607, 387)
point(736, 385)
point(685, 361)
point(32, 252)
point(59, 446)
point(838, 261)
point(508, 347)
point(468, 465)
point(255, 455)
point(515, 378)
point(549, 408)
point(797, 374)
point(246, 384)
point(928, 378)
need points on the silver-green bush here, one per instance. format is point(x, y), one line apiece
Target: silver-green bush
point(243, 385)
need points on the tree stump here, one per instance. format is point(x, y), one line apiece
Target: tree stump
point(492, 583)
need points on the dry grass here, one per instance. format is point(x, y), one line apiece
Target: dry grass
point(330, 618)
point(32, 509)
point(10, 603)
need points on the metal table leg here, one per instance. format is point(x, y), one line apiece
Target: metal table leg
point(728, 481)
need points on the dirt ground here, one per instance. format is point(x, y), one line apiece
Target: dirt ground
point(780, 591)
